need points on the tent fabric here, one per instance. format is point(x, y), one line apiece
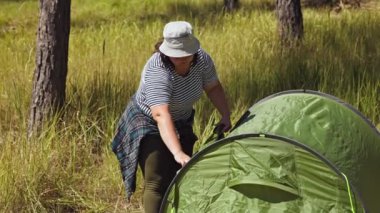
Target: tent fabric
point(252, 173)
point(329, 126)
point(294, 151)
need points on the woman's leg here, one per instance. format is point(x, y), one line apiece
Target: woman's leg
point(159, 168)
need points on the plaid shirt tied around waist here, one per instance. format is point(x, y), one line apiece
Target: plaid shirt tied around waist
point(132, 127)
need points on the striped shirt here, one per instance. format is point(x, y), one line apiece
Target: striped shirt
point(160, 85)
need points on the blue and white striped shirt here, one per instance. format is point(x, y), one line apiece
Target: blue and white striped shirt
point(160, 84)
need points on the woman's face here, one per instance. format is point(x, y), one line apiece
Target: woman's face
point(182, 62)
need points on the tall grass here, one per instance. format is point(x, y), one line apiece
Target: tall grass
point(71, 168)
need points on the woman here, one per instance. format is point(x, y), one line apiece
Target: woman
point(155, 131)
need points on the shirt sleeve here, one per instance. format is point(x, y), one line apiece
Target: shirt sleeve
point(209, 74)
point(158, 85)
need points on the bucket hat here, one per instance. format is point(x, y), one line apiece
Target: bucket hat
point(179, 40)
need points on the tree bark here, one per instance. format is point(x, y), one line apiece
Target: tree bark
point(290, 22)
point(230, 5)
point(49, 82)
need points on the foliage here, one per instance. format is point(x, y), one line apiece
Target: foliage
point(71, 167)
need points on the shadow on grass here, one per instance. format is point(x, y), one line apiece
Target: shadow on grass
point(205, 13)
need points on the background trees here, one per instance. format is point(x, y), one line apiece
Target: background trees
point(49, 86)
point(230, 5)
point(290, 22)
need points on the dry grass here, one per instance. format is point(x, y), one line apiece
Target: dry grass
point(71, 167)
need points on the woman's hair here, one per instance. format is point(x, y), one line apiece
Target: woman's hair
point(165, 59)
point(158, 44)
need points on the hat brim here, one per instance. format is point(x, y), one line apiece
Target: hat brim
point(189, 47)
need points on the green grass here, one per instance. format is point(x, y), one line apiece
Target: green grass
point(71, 167)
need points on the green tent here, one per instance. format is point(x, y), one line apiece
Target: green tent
point(295, 151)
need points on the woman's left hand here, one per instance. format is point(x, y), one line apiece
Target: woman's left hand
point(225, 122)
point(216, 94)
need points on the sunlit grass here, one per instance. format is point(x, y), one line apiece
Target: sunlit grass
point(71, 167)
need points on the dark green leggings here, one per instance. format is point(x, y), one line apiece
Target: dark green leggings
point(159, 168)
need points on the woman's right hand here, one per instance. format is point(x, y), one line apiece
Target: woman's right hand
point(181, 158)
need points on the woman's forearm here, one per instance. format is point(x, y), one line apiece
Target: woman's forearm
point(166, 128)
point(217, 97)
point(168, 133)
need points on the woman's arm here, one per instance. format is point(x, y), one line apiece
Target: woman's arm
point(215, 93)
point(168, 134)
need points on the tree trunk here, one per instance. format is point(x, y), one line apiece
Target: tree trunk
point(230, 5)
point(290, 23)
point(49, 83)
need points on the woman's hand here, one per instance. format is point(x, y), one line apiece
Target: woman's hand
point(181, 158)
point(215, 92)
point(225, 122)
